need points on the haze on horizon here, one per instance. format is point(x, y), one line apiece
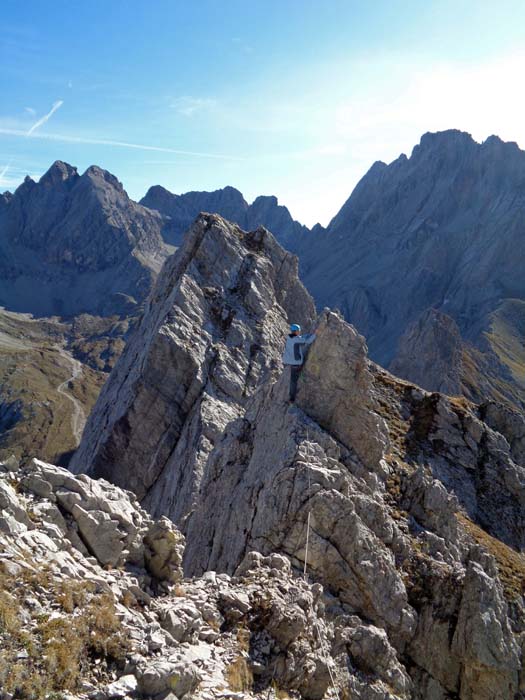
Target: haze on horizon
point(292, 99)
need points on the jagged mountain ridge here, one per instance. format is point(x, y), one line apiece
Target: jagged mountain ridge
point(229, 203)
point(73, 243)
point(440, 230)
point(81, 257)
point(218, 288)
point(415, 500)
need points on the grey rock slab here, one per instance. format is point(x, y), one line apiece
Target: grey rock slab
point(101, 534)
point(125, 685)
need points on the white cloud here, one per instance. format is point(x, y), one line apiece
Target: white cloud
point(30, 111)
point(46, 117)
point(188, 106)
point(481, 98)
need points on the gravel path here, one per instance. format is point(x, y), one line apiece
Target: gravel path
point(78, 417)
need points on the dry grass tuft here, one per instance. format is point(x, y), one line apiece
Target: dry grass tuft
point(511, 564)
point(54, 651)
point(239, 675)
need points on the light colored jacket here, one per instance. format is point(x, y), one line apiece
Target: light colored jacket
point(295, 346)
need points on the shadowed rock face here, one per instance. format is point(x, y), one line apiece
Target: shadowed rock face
point(414, 502)
point(229, 203)
point(430, 353)
point(442, 229)
point(76, 243)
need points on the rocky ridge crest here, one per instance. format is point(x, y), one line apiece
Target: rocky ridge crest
point(229, 203)
point(94, 606)
point(415, 500)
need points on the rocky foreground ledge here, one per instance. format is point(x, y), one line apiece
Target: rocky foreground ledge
point(93, 604)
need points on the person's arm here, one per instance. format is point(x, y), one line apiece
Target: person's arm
point(309, 338)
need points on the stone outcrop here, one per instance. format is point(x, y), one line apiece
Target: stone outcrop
point(212, 327)
point(430, 353)
point(75, 243)
point(405, 505)
point(94, 517)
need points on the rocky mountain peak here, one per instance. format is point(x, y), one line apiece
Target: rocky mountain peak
point(5, 198)
point(25, 186)
point(101, 178)
point(449, 138)
point(159, 198)
point(230, 203)
point(266, 200)
point(226, 295)
point(89, 246)
point(59, 172)
point(433, 231)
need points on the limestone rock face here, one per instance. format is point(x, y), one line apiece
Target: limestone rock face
point(213, 332)
point(336, 390)
point(76, 243)
point(73, 623)
point(405, 506)
point(99, 519)
point(511, 424)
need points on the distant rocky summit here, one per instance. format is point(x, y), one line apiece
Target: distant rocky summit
point(405, 506)
point(73, 243)
point(229, 203)
point(442, 230)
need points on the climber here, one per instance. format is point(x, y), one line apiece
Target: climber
point(294, 354)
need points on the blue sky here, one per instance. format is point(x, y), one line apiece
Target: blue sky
point(292, 98)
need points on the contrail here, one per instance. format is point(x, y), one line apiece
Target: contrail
point(44, 119)
point(4, 170)
point(119, 144)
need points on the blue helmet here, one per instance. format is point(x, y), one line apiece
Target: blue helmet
point(295, 327)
